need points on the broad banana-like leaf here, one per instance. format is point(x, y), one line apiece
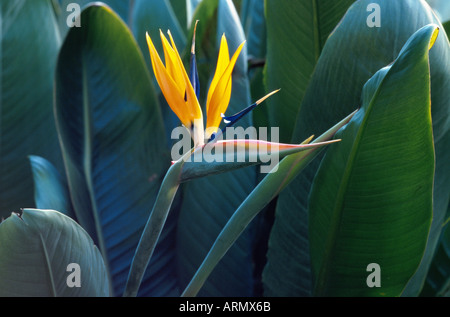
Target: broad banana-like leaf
point(50, 189)
point(371, 201)
point(26, 118)
point(438, 278)
point(184, 10)
point(441, 8)
point(66, 12)
point(45, 253)
point(296, 34)
point(351, 55)
point(191, 6)
point(152, 16)
point(112, 137)
point(254, 24)
point(446, 26)
point(209, 202)
point(180, 10)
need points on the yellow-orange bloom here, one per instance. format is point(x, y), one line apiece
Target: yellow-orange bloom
point(176, 86)
point(179, 92)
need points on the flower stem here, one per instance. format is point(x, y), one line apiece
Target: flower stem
point(153, 229)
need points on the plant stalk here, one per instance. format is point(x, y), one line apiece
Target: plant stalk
point(153, 228)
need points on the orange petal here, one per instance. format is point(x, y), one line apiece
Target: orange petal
point(192, 105)
point(214, 115)
point(222, 62)
point(220, 97)
point(168, 86)
point(172, 65)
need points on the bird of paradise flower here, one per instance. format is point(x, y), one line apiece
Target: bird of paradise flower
point(182, 92)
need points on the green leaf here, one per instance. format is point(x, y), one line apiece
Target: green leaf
point(113, 144)
point(441, 8)
point(26, 117)
point(37, 248)
point(180, 10)
point(351, 55)
point(191, 6)
point(184, 9)
point(152, 16)
point(209, 202)
point(121, 7)
point(254, 24)
point(50, 189)
point(296, 34)
point(438, 278)
point(446, 26)
point(371, 200)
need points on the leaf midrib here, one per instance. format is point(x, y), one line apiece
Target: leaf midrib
point(87, 160)
point(316, 31)
point(49, 266)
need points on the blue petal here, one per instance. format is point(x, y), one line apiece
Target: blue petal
point(230, 120)
point(193, 76)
